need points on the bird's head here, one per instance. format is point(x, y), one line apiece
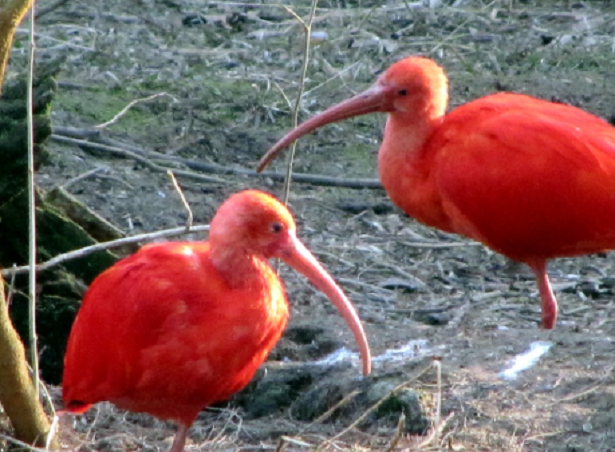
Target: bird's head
point(415, 87)
point(253, 222)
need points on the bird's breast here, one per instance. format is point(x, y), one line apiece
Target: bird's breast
point(407, 173)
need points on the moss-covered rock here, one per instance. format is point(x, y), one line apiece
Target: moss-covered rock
point(309, 390)
point(60, 289)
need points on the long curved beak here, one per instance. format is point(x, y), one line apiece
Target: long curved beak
point(370, 101)
point(295, 254)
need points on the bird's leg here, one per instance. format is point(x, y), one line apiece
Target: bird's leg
point(547, 298)
point(180, 438)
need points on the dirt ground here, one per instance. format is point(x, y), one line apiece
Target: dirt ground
point(230, 74)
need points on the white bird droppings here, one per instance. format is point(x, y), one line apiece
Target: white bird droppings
point(526, 359)
point(413, 349)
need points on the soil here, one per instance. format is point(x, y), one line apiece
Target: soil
point(231, 72)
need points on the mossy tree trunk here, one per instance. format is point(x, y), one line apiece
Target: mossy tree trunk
point(59, 289)
point(17, 395)
point(12, 13)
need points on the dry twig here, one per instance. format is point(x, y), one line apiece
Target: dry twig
point(32, 250)
point(183, 200)
point(131, 104)
point(307, 29)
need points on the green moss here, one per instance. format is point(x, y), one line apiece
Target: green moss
point(57, 234)
point(101, 106)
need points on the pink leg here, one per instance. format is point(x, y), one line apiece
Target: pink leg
point(547, 298)
point(180, 438)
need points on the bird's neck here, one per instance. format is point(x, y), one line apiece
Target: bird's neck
point(406, 163)
point(239, 268)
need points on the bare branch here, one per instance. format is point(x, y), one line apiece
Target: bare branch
point(61, 258)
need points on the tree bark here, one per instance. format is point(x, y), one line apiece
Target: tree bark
point(60, 289)
point(12, 13)
point(17, 394)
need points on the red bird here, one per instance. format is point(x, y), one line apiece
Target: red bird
point(181, 325)
point(530, 179)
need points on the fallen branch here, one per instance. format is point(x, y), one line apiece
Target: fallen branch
point(437, 245)
point(145, 161)
point(145, 157)
point(40, 12)
point(76, 132)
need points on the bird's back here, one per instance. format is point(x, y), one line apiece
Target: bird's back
point(154, 333)
point(529, 178)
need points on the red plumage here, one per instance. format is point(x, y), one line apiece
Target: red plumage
point(167, 305)
point(181, 325)
point(531, 179)
point(528, 178)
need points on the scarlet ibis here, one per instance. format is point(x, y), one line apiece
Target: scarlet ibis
point(530, 179)
point(181, 325)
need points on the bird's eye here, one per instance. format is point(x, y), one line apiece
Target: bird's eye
point(276, 227)
point(402, 92)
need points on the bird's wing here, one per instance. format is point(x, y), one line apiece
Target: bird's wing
point(125, 310)
point(161, 330)
point(529, 178)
